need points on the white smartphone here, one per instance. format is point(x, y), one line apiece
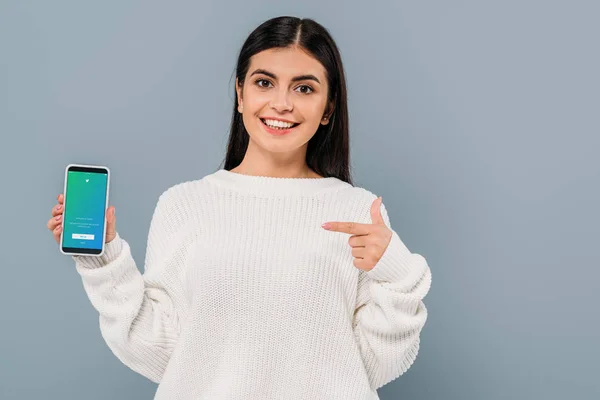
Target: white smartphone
point(84, 210)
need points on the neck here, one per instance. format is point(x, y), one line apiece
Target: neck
point(267, 186)
point(304, 172)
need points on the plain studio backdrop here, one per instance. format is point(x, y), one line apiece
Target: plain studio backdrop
point(477, 121)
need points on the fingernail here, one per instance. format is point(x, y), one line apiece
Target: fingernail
point(326, 225)
point(59, 207)
point(58, 217)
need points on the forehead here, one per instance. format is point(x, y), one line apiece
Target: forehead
point(287, 63)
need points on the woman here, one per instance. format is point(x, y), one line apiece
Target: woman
point(245, 295)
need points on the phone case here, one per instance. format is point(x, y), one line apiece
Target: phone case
point(105, 207)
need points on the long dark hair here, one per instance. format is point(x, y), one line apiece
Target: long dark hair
point(328, 150)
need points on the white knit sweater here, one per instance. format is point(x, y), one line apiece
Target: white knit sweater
point(245, 296)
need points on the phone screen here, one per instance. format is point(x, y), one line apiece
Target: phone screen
point(85, 209)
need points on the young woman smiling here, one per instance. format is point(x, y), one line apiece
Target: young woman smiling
point(273, 277)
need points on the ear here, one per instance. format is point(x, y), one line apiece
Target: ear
point(328, 113)
point(239, 92)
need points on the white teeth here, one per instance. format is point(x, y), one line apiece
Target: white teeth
point(277, 124)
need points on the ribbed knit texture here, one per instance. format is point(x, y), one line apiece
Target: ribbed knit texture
point(245, 296)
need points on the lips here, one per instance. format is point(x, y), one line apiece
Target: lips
point(275, 131)
point(293, 126)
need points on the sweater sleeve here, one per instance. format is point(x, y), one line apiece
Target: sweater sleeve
point(140, 314)
point(390, 313)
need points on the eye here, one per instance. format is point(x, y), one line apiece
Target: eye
point(261, 80)
point(308, 87)
point(258, 83)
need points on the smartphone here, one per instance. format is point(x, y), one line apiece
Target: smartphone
point(84, 210)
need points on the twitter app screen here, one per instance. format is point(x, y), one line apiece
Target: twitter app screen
point(84, 214)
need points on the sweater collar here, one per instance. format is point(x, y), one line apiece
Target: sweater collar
point(268, 185)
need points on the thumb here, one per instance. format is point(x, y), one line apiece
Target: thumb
point(376, 216)
point(111, 222)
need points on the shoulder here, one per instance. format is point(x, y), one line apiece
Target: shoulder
point(358, 201)
point(184, 190)
point(361, 193)
point(182, 199)
point(357, 195)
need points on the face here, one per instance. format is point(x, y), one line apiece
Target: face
point(285, 85)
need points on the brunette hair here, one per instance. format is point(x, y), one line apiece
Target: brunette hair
point(328, 151)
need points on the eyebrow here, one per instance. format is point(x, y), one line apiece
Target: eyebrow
point(294, 79)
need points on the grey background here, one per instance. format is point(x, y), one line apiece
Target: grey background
point(476, 121)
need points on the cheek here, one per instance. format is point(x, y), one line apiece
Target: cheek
point(256, 101)
point(311, 125)
point(312, 118)
point(310, 109)
point(252, 108)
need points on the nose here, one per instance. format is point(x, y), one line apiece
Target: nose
point(281, 101)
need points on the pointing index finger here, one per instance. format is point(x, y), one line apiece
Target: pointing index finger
point(353, 228)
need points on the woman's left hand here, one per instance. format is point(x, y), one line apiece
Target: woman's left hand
point(368, 241)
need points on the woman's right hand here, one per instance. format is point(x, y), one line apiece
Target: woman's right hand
point(55, 223)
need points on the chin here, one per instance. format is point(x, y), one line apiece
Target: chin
point(276, 144)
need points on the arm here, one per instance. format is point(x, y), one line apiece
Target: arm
point(140, 315)
point(390, 313)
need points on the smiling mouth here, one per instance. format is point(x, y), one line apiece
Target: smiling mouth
point(277, 127)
